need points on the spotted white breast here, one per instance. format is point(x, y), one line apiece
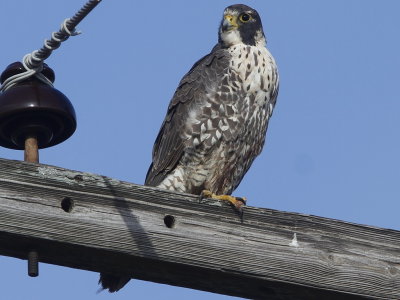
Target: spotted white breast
point(226, 130)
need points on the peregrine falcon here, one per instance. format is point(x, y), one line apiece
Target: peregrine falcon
point(217, 120)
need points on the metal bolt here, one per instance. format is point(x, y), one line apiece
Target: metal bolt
point(33, 263)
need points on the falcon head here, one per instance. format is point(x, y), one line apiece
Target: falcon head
point(241, 24)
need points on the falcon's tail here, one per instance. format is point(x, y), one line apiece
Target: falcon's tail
point(112, 283)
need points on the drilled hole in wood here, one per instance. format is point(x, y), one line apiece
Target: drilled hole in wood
point(78, 178)
point(169, 221)
point(67, 204)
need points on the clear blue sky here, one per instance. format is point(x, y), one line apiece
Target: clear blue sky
point(333, 143)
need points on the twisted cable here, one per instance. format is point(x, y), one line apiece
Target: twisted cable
point(33, 62)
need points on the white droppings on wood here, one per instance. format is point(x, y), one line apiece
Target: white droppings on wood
point(62, 176)
point(294, 242)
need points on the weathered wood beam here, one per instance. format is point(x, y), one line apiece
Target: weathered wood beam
point(92, 222)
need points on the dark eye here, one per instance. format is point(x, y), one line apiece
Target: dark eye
point(245, 17)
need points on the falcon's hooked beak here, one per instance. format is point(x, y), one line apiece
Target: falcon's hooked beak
point(229, 23)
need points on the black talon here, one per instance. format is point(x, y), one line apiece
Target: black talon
point(243, 200)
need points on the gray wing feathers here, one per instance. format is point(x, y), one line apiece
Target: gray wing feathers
point(170, 143)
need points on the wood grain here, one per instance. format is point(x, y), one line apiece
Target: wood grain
point(91, 222)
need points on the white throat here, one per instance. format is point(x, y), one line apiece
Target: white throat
point(230, 38)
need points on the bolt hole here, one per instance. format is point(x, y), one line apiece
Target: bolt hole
point(169, 221)
point(78, 178)
point(67, 204)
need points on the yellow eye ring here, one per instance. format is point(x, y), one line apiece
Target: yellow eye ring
point(245, 18)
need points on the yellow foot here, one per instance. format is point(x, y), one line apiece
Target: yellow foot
point(237, 202)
